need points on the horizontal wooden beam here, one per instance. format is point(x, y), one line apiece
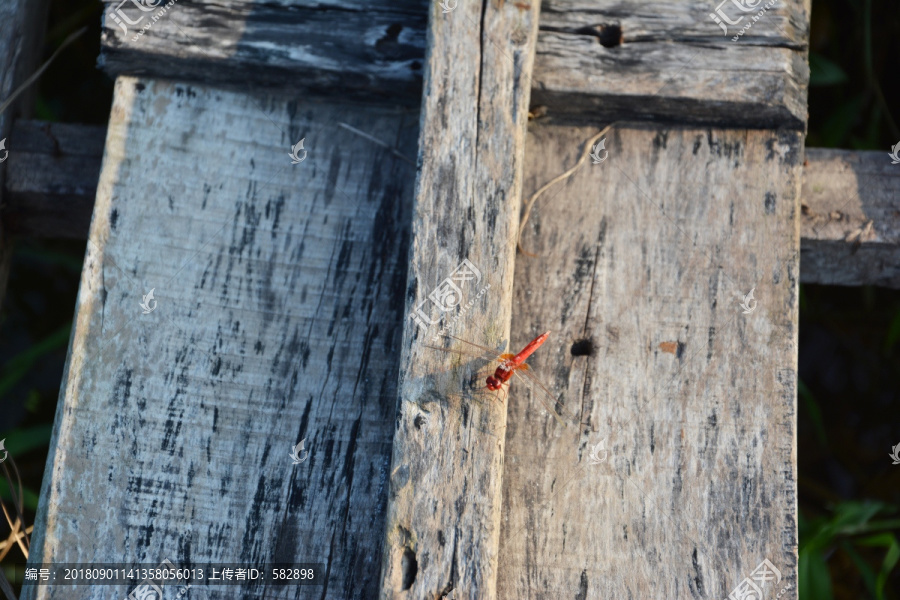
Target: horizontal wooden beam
point(630, 60)
point(52, 179)
point(850, 225)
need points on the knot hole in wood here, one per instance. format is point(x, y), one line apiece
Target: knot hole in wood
point(583, 347)
point(409, 567)
point(609, 36)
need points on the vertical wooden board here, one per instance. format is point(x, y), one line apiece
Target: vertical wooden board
point(278, 291)
point(682, 478)
point(443, 523)
point(22, 24)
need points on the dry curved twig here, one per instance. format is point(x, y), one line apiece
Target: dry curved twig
point(529, 204)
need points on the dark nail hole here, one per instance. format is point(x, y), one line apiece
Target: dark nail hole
point(583, 348)
point(609, 36)
point(409, 567)
point(394, 30)
point(389, 39)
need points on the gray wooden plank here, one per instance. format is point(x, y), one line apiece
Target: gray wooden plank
point(686, 402)
point(622, 59)
point(664, 60)
point(22, 24)
point(443, 522)
point(277, 311)
point(851, 219)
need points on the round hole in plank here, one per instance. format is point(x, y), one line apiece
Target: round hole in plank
point(583, 348)
point(609, 36)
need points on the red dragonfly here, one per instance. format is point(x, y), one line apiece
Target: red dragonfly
point(514, 365)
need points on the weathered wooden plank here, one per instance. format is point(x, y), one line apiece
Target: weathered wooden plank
point(443, 521)
point(359, 49)
point(686, 403)
point(664, 60)
point(52, 179)
point(22, 25)
point(276, 318)
point(629, 59)
point(851, 219)
point(51, 194)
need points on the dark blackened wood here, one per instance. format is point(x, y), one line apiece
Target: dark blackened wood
point(22, 24)
point(357, 50)
point(52, 179)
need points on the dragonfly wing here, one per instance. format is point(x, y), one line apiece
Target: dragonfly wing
point(461, 352)
point(481, 364)
point(484, 349)
point(545, 396)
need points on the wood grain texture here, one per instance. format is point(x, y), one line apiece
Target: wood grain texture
point(669, 61)
point(851, 219)
point(277, 318)
point(52, 179)
point(687, 404)
point(443, 521)
point(627, 59)
point(360, 49)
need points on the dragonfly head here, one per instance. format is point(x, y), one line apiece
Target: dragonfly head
point(493, 383)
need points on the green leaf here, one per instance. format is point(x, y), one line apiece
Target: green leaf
point(20, 441)
point(823, 72)
point(889, 541)
point(842, 119)
point(19, 365)
point(29, 498)
point(815, 413)
point(814, 580)
point(851, 517)
point(862, 566)
point(893, 334)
